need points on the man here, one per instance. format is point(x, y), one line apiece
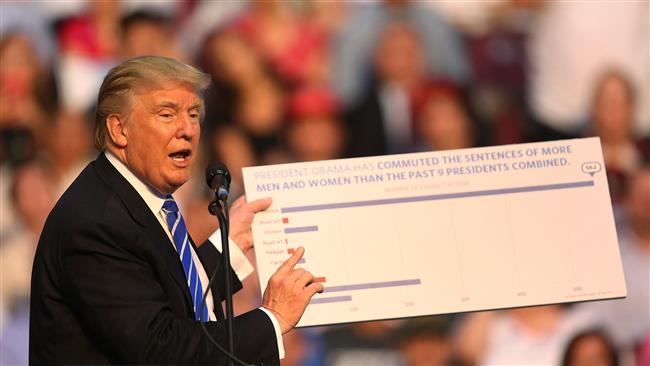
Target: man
point(116, 278)
point(627, 320)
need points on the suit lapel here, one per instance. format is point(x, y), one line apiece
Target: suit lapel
point(141, 213)
point(163, 245)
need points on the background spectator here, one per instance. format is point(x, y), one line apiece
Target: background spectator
point(613, 107)
point(354, 45)
point(424, 341)
point(32, 198)
point(535, 335)
point(310, 80)
point(442, 120)
point(314, 133)
point(369, 343)
point(569, 51)
point(148, 33)
point(591, 347)
point(627, 320)
point(381, 122)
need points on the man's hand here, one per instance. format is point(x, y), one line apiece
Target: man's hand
point(241, 218)
point(289, 291)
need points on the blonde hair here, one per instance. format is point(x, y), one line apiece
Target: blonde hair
point(146, 71)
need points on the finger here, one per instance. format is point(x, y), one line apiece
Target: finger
point(304, 279)
point(292, 261)
point(295, 274)
point(314, 288)
point(260, 204)
point(238, 202)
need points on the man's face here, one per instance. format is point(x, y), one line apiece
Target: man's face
point(162, 134)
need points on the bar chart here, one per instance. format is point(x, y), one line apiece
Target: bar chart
point(445, 243)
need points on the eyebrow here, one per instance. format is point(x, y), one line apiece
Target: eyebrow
point(176, 106)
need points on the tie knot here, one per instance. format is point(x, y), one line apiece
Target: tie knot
point(170, 205)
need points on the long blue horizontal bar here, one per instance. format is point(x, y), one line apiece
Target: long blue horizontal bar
point(325, 300)
point(434, 197)
point(300, 229)
point(371, 285)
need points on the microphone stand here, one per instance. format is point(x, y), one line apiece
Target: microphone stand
point(219, 208)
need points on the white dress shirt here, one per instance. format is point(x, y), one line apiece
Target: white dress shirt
point(239, 262)
point(394, 104)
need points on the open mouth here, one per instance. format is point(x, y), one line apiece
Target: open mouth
point(180, 155)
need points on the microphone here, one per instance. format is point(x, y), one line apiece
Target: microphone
point(218, 179)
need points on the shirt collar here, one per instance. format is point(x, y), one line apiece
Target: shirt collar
point(151, 197)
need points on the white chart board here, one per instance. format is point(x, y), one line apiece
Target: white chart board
point(442, 232)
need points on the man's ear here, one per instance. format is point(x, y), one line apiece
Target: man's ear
point(116, 126)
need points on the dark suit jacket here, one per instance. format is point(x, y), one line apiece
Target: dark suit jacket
point(108, 286)
point(365, 123)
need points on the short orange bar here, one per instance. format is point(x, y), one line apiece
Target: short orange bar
point(319, 279)
point(290, 251)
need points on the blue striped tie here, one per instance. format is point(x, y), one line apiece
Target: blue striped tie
point(178, 229)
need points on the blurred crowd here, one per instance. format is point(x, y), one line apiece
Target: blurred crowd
point(309, 80)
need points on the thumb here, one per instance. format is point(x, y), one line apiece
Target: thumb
point(259, 204)
point(314, 288)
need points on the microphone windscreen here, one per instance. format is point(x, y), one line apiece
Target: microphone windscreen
point(215, 169)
